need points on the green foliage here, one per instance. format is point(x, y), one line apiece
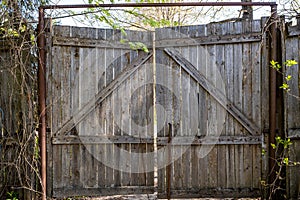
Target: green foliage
point(285, 144)
point(138, 46)
point(12, 195)
point(281, 147)
point(289, 63)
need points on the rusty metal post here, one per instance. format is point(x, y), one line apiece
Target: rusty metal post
point(272, 100)
point(42, 98)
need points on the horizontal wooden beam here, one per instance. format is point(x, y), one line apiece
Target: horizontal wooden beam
point(213, 91)
point(164, 43)
point(139, 190)
point(208, 40)
point(98, 192)
point(89, 43)
point(187, 140)
point(213, 193)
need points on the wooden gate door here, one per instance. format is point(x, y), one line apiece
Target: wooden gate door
point(212, 95)
point(190, 109)
point(99, 94)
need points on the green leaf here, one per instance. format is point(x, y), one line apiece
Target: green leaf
point(290, 63)
point(273, 146)
point(138, 46)
point(123, 41)
point(263, 152)
point(288, 77)
point(22, 28)
point(273, 63)
point(32, 38)
point(123, 32)
point(285, 161)
point(285, 86)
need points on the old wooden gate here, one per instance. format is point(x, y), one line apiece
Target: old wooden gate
point(192, 109)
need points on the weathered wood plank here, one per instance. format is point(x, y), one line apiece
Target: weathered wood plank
point(213, 119)
point(161, 43)
point(221, 113)
point(185, 121)
point(161, 74)
point(237, 96)
point(56, 84)
point(292, 112)
point(247, 73)
point(125, 126)
point(178, 140)
point(293, 104)
point(293, 171)
point(215, 193)
point(75, 168)
point(178, 126)
point(134, 131)
point(257, 83)
point(99, 192)
point(143, 129)
point(149, 122)
point(194, 124)
point(256, 166)
point(57, 167)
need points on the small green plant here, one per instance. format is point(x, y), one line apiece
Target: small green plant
point(281, 147)
point(12, 195)
point(289, 63)
point(285, 144)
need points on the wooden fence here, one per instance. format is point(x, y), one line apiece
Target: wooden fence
point(194, 108)
point(291, 51)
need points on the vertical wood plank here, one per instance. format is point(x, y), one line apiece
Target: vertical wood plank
point(177, 129)
point(230, 167)
point(149, 122)
point(163, 77)
point(256, 168)
point(292, 110)
point(221, 123)
point(186, 122)
point(134, 117)
point(256, 83)
point(126, 176)
point(237, 86)
point(57, 167)
point(211, 71)
point(194, 123)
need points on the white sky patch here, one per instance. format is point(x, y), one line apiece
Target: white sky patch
point(227, 13)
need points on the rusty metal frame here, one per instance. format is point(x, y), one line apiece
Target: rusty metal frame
point(42, 64)
point(272, 94)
